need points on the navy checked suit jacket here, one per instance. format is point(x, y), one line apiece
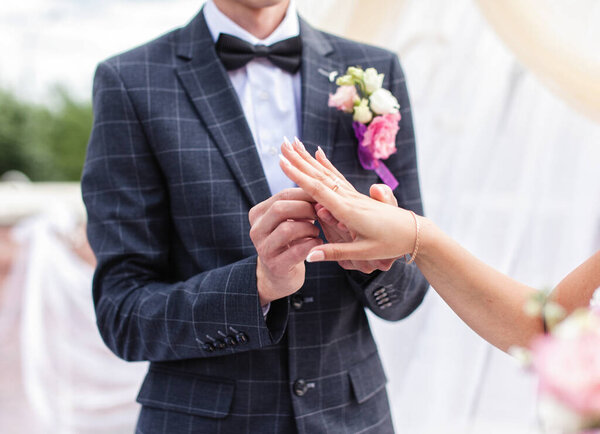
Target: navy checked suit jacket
point(170, 175)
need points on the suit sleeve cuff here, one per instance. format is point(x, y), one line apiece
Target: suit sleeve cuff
point(392, 294)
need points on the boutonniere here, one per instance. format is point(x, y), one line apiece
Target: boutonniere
point(375, 118)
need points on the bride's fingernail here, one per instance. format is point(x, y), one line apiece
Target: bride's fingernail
point(298, 143)
point(286, 144)
point(315, 256)
point(320, 151)
point(284, 160)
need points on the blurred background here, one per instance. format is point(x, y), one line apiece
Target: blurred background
point(506, 104)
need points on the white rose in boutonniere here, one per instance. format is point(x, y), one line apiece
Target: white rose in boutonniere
point(362, 112)
point(373, 81)
point(383, 102)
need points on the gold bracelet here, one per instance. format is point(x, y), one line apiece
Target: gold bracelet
point(413, 255)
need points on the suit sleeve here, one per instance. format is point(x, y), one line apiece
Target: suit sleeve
point(396, 293)
point(142, 312)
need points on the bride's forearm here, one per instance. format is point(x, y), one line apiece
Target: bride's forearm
point(576, 290)
point(488, 301)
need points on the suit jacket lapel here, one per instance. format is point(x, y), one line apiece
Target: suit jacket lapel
point(318, 120)
point(207, 84)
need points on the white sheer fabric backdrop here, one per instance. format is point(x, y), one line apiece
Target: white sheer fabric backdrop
point(73, 382)
point(511, 172)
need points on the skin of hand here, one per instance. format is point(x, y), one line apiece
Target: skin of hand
point(337, 232)
point(380, 231)
point(488, 301)
point(283, 232)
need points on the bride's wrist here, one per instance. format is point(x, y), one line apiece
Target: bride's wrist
point(427, 237)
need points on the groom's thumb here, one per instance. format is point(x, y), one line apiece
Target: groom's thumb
point(383, 193)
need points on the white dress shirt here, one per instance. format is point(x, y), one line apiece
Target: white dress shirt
point(270, 96)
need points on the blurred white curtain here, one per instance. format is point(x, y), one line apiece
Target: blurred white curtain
point(507, 169)
point(73, 382)
point(558, 41)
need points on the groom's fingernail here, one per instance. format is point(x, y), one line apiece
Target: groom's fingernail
point(315, 256)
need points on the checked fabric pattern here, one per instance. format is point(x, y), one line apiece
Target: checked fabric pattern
point(170, 175)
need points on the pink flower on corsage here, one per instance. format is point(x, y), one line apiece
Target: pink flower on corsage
point(375, 118)
point(567, 362)
point(344, 98)
point(569, 371)
point(380, 137)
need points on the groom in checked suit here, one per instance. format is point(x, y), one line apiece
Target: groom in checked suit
point(201, 239)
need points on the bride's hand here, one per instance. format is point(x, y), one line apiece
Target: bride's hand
point(336, 232)
point(380, 231)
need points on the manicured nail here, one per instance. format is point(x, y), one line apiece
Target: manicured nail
point(298, 143)
point(285, 160)
point(286, 144)
point(315, 256)
point(320, 150)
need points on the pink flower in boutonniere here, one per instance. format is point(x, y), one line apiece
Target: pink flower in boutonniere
point(344, 98)
point(380, 137)
point(375, 115)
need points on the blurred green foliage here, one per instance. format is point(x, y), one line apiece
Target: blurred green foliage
point(46, 143)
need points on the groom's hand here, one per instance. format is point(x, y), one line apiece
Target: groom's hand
point(335, 232)
point(283, 232)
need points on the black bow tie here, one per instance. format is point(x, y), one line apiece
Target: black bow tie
point(235, 52)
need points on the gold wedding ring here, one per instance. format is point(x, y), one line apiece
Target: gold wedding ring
point(336, 186)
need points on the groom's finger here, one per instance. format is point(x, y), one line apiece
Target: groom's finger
point(383, 193)
point(281, 211)
point(287, 194)
point(286, 234)
point(298, 251)
point(327, 217)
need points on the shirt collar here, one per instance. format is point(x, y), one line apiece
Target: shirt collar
point(218, 23)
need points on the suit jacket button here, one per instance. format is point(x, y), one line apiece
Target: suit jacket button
point(230, 340)
point(300, 387)
point(297, 301)
point(208, 347)
point(220, 344)
point(242, 338)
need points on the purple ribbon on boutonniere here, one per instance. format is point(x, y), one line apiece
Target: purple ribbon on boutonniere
point(368, 161)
